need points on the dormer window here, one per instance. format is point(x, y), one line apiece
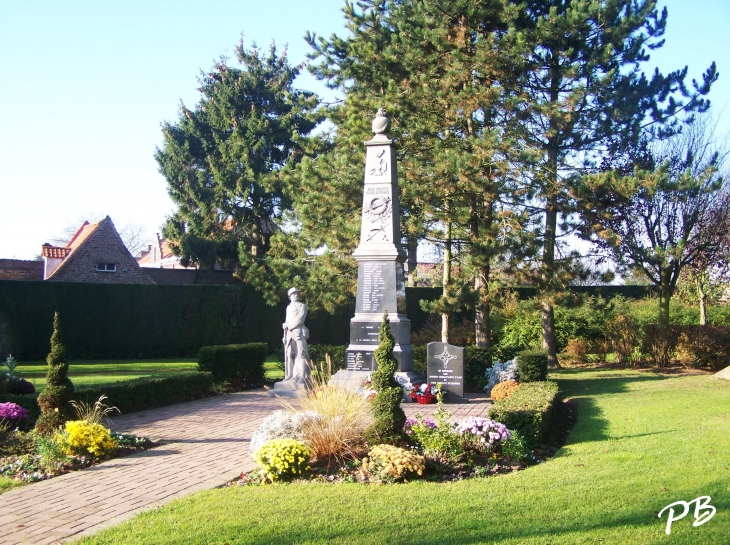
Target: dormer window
point(106, 267)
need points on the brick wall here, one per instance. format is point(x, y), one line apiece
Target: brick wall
point(18, 269)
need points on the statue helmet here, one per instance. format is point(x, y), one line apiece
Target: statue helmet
point(292, 290)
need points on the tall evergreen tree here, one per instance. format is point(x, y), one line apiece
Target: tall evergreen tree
point(583, 95)
point(54, 400)
point(436, 64)
point(222, 160)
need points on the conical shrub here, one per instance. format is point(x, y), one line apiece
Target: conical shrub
point(54, 400)
point(386, 409)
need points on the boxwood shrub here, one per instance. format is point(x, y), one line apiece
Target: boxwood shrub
point(529, 410)
point(151, 392)
point(239, 362)
point(532, 365)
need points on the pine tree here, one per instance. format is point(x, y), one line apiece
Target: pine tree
point(386, 409)
point(54, 400)
point(582, 96)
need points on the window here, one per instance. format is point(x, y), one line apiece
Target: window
point(106, 267)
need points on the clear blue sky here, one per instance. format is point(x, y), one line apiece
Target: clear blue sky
point(84, 86)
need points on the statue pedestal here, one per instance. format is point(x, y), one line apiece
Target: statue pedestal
point(289, 389)
point(353, 380)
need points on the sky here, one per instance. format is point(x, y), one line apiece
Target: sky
point(85, 85)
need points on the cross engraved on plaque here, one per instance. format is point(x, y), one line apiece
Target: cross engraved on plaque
point(445, 357)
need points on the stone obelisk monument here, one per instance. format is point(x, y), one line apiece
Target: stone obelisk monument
point(380, 276)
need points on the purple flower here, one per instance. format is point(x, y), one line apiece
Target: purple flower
point(488, 431)
point(11, 411)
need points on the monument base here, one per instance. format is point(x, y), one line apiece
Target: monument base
point(349, 379)
point(453, 398)
point(353, 380)
point(407, 379)
point(289, 389)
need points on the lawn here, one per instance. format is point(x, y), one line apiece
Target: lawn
point(86, 373)
point(641, 442)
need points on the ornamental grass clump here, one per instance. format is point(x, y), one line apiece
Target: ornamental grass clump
point(282, 459)
point(54, 400)
point(343, 417)
point(504, 389)
point(387, 463)
point(385, 407)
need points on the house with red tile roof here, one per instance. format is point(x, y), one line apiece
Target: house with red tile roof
point(96, 254)
point(159, 255)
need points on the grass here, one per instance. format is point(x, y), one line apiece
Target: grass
point(85, 373)
point(641, 442)
point(8, 484)
point(273, 368)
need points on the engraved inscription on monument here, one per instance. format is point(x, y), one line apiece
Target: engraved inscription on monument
point(373, 287)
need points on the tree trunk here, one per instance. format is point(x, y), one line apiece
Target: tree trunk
point(446, 282)
point(483, 320)
point(412, 262)
point(703, 299)
point(551, 222)
point(549, 342)
point(662, 348)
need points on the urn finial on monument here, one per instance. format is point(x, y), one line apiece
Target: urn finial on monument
point(381, 125)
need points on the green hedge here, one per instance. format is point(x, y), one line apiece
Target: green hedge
point(131, 321)
point(532, 365)
point(151, 392)
point(234, 361)
point(132, 395)
point(529, 410)
point(336, 351)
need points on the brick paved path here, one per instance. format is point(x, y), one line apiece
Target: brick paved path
point(206, 446)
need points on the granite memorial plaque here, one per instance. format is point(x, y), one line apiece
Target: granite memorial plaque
point(445, 364)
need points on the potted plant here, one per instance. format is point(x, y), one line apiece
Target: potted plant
point(425, 394)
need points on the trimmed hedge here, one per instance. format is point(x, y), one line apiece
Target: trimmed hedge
point(532, 365)
point(529, 410)
point(336, 351)
point(151, 392)
point(132, 321)
point(234, 361)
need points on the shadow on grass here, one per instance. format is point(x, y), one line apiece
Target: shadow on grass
point(638, 523)
point(591, 425)
point(572, 384)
